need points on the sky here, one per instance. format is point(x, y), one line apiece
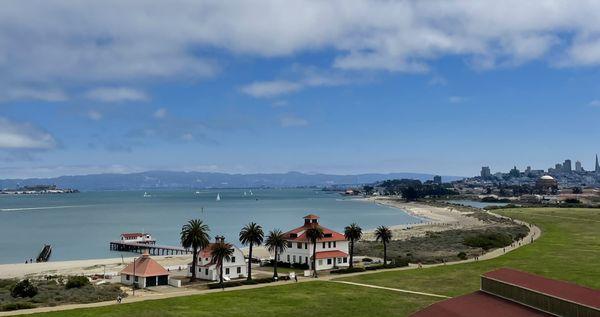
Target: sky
point(340, 87)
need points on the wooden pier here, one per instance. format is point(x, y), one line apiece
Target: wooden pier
point(153, 249)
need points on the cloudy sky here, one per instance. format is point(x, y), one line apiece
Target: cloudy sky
point(315, 86)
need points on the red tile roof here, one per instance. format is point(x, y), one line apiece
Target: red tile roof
point(300, 233)
point(144, 267)
point(476, 305)
point(560, 289)
point(331, 254)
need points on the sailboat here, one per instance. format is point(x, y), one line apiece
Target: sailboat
point(146, 194)
point(251, 193)
point(218, 197)
point(197, 192)
point(245, 194)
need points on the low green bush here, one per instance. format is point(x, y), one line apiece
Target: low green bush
point(462, 255)
point(23, 289)
point(77, 282)
point(488, 241)
point(348, 270)
point(16, 306)
point(240, 283)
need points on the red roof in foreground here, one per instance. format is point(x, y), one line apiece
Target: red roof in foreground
point(476, 305)
point(144, 267)
point(331, 254)
point(560, 289)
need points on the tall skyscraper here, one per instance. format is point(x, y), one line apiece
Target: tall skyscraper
point(597, 165)
point(485, 172)
point(567, 166)
point(578, 167)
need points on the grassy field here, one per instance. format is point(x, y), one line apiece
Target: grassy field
point(569, 249)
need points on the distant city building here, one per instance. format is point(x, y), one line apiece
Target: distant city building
point(437, 179)
point(597, 169)
point(578, 167)
point(546, 184)
point(567, 166)
point(515, 172)
point(558, 167)
point(486, 172)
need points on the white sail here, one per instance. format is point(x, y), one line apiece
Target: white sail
point(218, 197)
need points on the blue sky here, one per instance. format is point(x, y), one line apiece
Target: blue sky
point(335, 87)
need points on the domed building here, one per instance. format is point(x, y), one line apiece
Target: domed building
point(546, 183)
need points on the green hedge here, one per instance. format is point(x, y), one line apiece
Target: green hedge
point(17, 306)
point(241, 283)
point(348, 270)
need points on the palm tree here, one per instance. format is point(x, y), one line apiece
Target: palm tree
point(221, 252)
point(383, 234)
point(276, 243)
point(352, 233)
point(194, 234)
point(252, 234)
point(313, 234)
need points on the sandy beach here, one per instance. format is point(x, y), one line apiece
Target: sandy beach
point(437, 219)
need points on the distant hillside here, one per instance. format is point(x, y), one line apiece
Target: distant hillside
point(169, 179)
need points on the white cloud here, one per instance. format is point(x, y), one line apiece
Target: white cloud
point(270, 88)
point(94, 115)
point(26, 93)
point(23, 136)
point(121, 41)
point(160, 113)
point(116, 94)
point(594, 103)
point(290, 121)
point(457, 99)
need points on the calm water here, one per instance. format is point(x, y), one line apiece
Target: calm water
point(79, 226)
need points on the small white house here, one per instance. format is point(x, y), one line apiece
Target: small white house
point(332, 249)
point(137, 237)
point(233, 268)
point(144, 272)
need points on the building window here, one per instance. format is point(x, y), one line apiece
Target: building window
point(289, 244)
point(323, 245)
point(288, 257)
point(294, 259)
point(329, 261)
point(306, 260)
point(239, 269)
point(339, 260)
point(334, 244)
point(127, 277)
point(329, 245)
point(135, 278)
point(306, 245)
point(206, 272)
point(299, 245)
point(345, 260)
point(320, 262)
point(233, 259)
point(226, 270)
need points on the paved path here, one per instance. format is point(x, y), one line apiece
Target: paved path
point(392, 289)
point(534, 234)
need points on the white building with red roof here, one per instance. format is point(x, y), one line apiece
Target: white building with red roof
point(233, 268)
point(137, 237)
point(332, 250)
point(144, 272)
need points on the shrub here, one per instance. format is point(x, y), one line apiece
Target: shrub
point(488, 241)
point(399, 262)
point(572, 201)
point(300, 266)
point(367, 260)
point(23, 289)
point(462, 255)
point(16, 306)
point(240, 283)
point(348, 270)
point(77, 282)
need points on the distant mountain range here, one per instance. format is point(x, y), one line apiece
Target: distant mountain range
point(198, 180)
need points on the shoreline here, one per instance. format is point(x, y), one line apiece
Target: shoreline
point(435, 219)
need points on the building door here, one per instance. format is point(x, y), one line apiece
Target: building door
point(150, 281)
point(163, 280)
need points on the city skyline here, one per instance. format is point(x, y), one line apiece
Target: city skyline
point(375, 87)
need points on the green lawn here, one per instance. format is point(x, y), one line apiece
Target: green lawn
point(569, 249)
point(302, 299)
